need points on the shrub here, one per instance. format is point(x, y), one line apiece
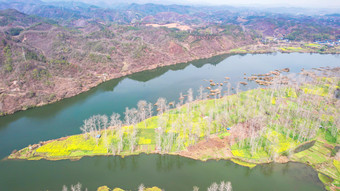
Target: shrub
point(14, 31)
point(8, 59)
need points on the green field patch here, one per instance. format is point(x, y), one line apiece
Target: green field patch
point(223, 134)
point(321, 90)
point(294, 49)
point(279, 142)
point(65, 147)
point(325, 179)
point(315, 155)
point(238, 50)
point(80, 153)
point(336, 163)
point(312, 45)
point(245, 152)
point(147, 136)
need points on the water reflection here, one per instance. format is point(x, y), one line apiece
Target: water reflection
point(65, 117)
point(267, 169)
point(166, 171)
point(51, 110)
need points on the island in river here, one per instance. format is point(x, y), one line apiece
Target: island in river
point(285, 122)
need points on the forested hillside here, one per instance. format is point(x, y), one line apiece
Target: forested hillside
point(50, 51)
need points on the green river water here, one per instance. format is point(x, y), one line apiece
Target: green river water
point(169, 172)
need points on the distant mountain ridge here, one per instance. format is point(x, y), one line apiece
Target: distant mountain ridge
point(50, 51)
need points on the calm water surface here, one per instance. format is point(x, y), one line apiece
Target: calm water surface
point(171, 173)
point(65, 117)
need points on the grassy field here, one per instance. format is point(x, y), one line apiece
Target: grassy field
point(310, 47)
point(294, 49)
point(238, 50)
point(313, 45)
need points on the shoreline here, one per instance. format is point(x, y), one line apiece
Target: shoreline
point(237, 50)
point(235, 160)
point(218, 143)
point(117, 76)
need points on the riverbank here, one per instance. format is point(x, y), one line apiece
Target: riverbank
point(286, 47)
point(18, 100)
point(265, 125)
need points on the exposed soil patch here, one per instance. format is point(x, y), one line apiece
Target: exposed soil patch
point(217, 148)
point(213, 147)
point(245, 129)
point(282, 159)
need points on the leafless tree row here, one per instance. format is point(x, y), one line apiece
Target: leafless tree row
point(77, 187)
point(296, 117)
point(223, 186)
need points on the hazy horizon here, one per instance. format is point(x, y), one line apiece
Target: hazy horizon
point(331, 4)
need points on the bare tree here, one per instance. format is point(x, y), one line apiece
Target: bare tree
point(142, 110)
point(94, 124)
point(105, 122)
point(213, 187)
point(98, 122)
point(127, 116)
point(200, 93)
point(229, 88)
point(228, 187)
point(86, 128)
point(113, 149)
point(168, 142)
point(64, 188)
point(161, 105)
point(179, 143)
point(141, 187)
point(76, 187)
point(133, 139)
point(149, 110)
point(190, 96)
point(223, 186)
point(120, 145)
point(159, 136)
point(115, 121)
point(181, 98)
point(131, 117)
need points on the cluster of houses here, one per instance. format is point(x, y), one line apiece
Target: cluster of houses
point(328, 42)
point(273, 39)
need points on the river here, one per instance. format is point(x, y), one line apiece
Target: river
point(172, 173)
point(65, 117)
